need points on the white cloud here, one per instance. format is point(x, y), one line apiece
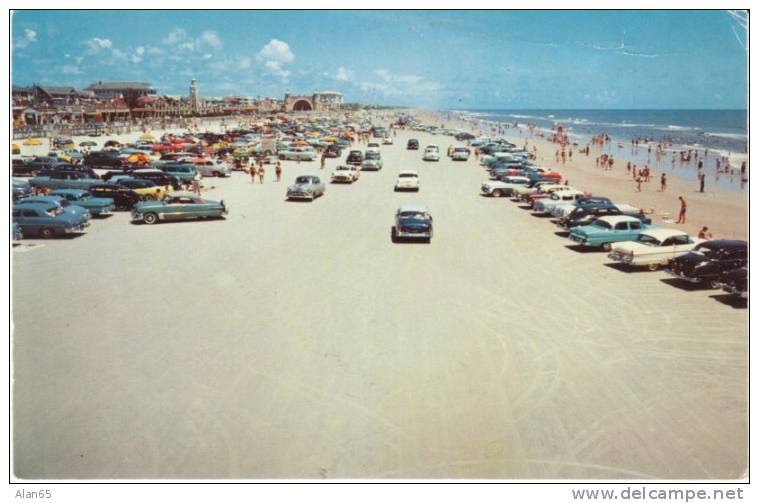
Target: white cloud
point(344, 74)
point(275, 54)
point(276, 50)
point(96, 44)
point(211, 39)
point(176, 35)
point(118, 54)
point(245, 63)
point(30, 36)
point(207, 55)
point(138, 55)
point(70, 70)
point(390, 84)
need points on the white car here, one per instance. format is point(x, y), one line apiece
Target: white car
point(387, 140)
point(345, 174)
point(561, 198)
point(373, 147)
point(431, 153)
point(213, 167)
point(460, 154)
point(653, 248)
point(504, 187)
point(407, 180)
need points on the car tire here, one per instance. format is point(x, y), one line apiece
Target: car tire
point(497, 193)
point(393, 235)
point(217, 174)
point(281, 157)
point(150, 218)
point(606, 247)
point(47, 233)
point(428, 240)
point(714, 284)
point(653, 267)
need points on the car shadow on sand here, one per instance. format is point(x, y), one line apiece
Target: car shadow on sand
point(685, 285)
point(562, 234)
point(177, 222)
point(731, 300)
point(628, 269)
point(581, 249)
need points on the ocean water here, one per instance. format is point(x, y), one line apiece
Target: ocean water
point(724, 130)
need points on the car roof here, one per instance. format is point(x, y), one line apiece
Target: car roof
point(724, 243)
point(408, 172)
point(413, 207)
point(39, 206)
point(183, 193)
point(615, 219)
point(663, 233)
point(69, 191)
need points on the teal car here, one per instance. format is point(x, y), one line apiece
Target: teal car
point(607, 230)
point(185, 173)
point(77, 197)
point(177, 206)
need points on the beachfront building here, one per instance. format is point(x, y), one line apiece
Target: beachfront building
point(112, 90)
point(196, 104)
point(317, 102)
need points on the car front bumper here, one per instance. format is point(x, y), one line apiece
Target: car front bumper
point(621, 257)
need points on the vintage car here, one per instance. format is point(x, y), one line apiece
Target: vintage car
point(212, 167)
point(504, 187)
point(156, 175)
point(298, 154)
point(431, 153)
point(653, 248)
point(146, 189)
point(60, 201)
point(387, 140)
point(586, 214)
point(27, 166)
point(64, 180)
point(707, 261)
point(412, 221)
point(332, 151)
point(605, 231)
point(21, 188)
point(103, 159)
point(306, 187)
point(178, 206)
point(460, 154)
point(123, 197)
point(47, 220)
point(530, 188)
point(355, 157)
point(545, 191)
point(546, 205)
point(373, 147)
point(95, 205)
point(407, 180)
point(345, 174)
point(372, 161)
point(412, 144)
point(184, 172)
point(583, 202)
point(735, 282)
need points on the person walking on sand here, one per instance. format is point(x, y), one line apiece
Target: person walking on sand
point(323, 161)
point(705, 233)
point(635, 171)
point(663, 182)
point(638, 182)
point(702, 180)
point(261, 172)
point(252, 170)
point(683, 209)
point(278, 171)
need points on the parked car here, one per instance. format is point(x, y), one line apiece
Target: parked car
point(653, 248)
point(583, 201)
point(545, 191)
point(159, 177)
point(355, 157)
point(57, 200)
point(431, 153)
point(123, 197)
point(298, 154)
point(26, 166)
point(412, 221)
point(460, 154)
point(97, 206)
point(735, 282)
point(47, 220)
point(586, 214)
point(213, 167)
point(178, 206)
point(504, 187)
point(184, 172)
point(707, 261)
point(412, 144)
point(332, 151)
point(372, 161)
point(146, 189)
point(306, 187)
point(21, 188)
point(345, 174)
point(605, 231)
point(545, 205)
point(373, 147)
point(407, 180)
point(64, 180)
point(103, 159)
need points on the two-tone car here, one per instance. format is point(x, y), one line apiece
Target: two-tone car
point(298, 154)
point(546, 205)
point(431, 153)
point(460, 154)
point(707, 261)
point(146, 189)
point(372, 161)
point(653, 248)
point(21, 189)
point(178, 206)
point(407, 180)
point(47, 220)
point(355, 157)
point(605, 231)
point(212, 167)
point(97, 206)
point(123, 197)
point(412, 221)
point(345, 174)
point(306, 187)
point(504, 187)
point(61, 201)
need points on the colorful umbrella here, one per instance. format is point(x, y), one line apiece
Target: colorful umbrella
point(32, 141)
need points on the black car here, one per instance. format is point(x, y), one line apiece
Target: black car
point(708, 260)
point(103, 159)
point(68, 168)
point(123, 197)
point(28, 167)
point(355, 157)
point(464, 136)
point(332, 151)
point(159, 178)
point(412, 144)
point(585, 215)
point(735, 282)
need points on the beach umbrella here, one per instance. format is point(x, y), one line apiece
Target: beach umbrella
point(147, 137)
point(138, 159)
point(15, 148)
point(112, 143)
point(88, 143)
point(32, 141)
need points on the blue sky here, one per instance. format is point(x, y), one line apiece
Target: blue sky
point(441, 59)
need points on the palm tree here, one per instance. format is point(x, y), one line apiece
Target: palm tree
point(131, 98)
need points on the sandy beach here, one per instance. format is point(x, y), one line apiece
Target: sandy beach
point(294, 340)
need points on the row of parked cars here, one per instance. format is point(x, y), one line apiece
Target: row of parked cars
point(625, 232)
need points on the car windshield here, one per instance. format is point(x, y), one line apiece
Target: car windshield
point(417, 215)
point(302, 179)
point(407, 175)
point(55, 211)
point(648, 240)
point(601, 224)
